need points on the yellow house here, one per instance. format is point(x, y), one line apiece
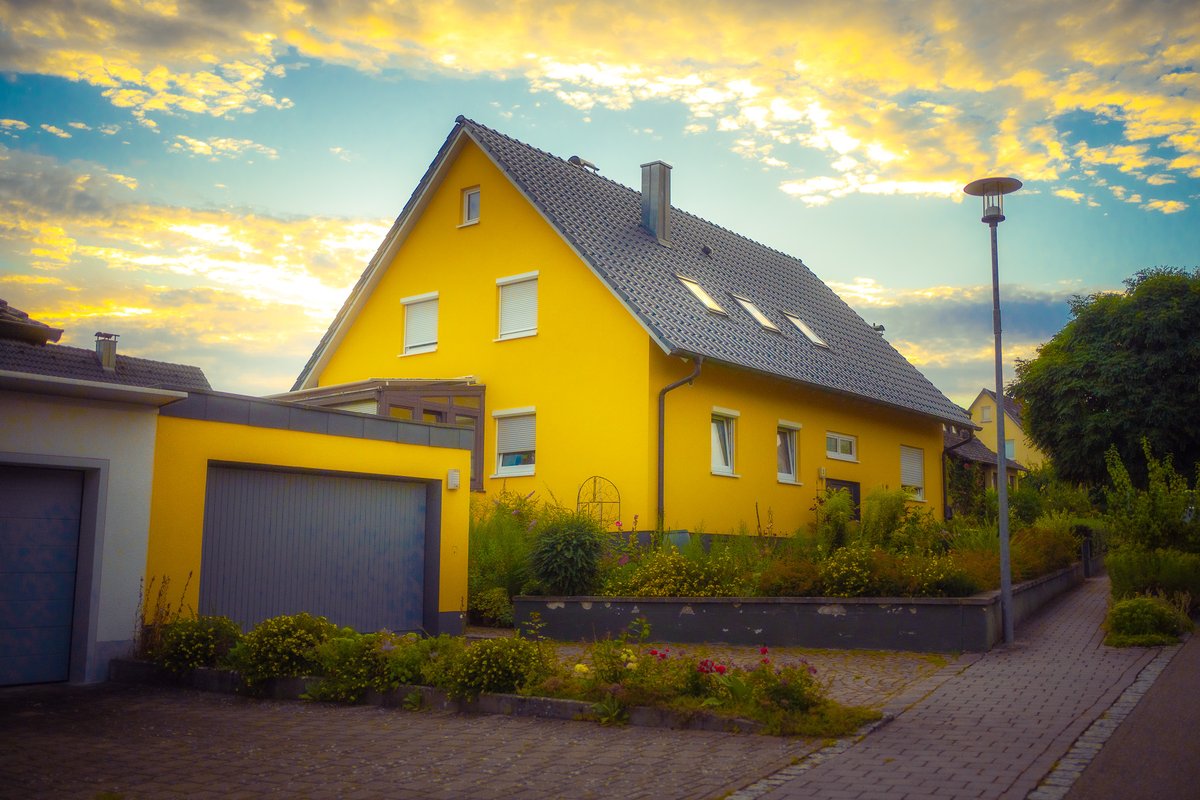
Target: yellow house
point(614, 352)
point(1016, 443)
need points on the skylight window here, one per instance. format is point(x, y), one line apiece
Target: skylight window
point(701, 295)
point(807, 331)
point(758, 315)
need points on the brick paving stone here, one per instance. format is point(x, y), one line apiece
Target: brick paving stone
point(996, 728)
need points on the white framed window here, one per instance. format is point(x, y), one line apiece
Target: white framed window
point(912, 471)
point(758, 315)
point(420, 323)
point(787, 465)
point(470, 206)
point(704, 297)
point(518, 305)
point(841, 446)
point(1010, 449)
point(802, 326)
point(724, 442)
point(985, 413)
point(516, 442)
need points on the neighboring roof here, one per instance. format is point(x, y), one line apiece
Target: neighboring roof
point(16, 324)
point(957, 445)
point(600, 219)
point(79, 364)
point(1011, 407)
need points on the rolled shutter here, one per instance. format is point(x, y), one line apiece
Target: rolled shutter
point(420, 326)
point(518, 308)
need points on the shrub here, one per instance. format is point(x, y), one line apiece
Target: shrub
point(1049, 544)
point(1144, 621)
point(790, 577)
point(494, 665)
point(566, 552)
point(848, 572)
point(667, 572)
point(200, 642)
point(834, 519)
point(349, 666)
point(883, 514)
point(499, 541)
point(1163, 515)
point(1170, 572)
point(280, 647)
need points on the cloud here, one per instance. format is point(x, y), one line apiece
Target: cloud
point(13, 125)
point(59, 132)
point(1165, 206)
point(238, 291)
point(946, 332)
point(79, 126)
point(218, 147)
point(898, 98)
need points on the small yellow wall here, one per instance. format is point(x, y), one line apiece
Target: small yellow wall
point(698, 500)
point(1024, 451)
point(184, 448)
point(584, 371)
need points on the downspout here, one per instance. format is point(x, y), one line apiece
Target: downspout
point(945, 454)
point(662, 436)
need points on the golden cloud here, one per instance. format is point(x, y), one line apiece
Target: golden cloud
point(902, 98)
point(221, 147)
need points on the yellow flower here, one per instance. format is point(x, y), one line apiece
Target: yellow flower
point(582, 669)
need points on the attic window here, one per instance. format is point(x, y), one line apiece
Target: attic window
point(470, 206)
point(701, 295)
point(807, 331)
point(759, 316)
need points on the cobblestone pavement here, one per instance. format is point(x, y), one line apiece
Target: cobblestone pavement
point(142, 742)
point(992, 731)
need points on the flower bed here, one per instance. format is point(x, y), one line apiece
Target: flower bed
point(920, 624)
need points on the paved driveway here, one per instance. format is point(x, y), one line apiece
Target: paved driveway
point(158, 743)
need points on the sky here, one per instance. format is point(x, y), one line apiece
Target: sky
point(208, 178)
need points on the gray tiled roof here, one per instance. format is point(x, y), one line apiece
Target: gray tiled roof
point(80, 364)
point(601, 220)
point(974, 450)
point(16, 324)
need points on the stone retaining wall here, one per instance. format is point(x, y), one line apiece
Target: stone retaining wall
point(920, 624)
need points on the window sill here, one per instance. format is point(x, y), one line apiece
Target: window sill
point(837, 457)
point(725, 474)
point(420, 352)
point(469, 224)
point(508, 336)
point(790, 482)
point(513, 474)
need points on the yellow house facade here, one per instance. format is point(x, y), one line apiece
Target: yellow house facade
point(605, 346)
point(1018, 447)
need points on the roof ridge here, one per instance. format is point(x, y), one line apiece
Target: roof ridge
point(460, 118)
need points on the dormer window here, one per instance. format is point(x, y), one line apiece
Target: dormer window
point(704, 297)
point(807, 331)
point(470, 206)
point(758, 315)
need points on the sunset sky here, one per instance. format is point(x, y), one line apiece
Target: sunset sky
point(208, 179)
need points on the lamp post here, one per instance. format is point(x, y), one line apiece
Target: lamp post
point(992, 190)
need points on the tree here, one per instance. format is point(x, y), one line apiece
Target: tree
point(1124, 368)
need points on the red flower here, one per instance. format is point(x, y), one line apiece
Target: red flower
point(653, 652)
point(720, 669)
point(766, 661)
point(762, 651)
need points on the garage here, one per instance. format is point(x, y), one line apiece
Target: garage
point(40, 511)
point(346, 546)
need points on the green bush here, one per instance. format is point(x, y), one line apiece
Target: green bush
point(790, 577)
point(848, 572)
point(1163, 515)
point(1144, 622)
point(499, 542)
point(667, 572)
point(834, 519)
point(565, 557)
point(199, 642)
point(884, 513)
point(349, 665)
point(280, 647)
point(494, 665)
point(1171, 572)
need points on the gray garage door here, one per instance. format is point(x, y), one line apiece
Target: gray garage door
point(346, 547)
point(39, 544)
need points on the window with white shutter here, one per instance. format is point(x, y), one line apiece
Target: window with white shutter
point(515, 441)
point(420, 323)
point(518, 305)
point(912, 471)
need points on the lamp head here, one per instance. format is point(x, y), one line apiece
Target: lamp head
point(992, 190)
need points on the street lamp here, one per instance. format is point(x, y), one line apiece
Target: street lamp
point(992, 190)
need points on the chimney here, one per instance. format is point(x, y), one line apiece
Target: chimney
point(106, 350)
point(656, 200)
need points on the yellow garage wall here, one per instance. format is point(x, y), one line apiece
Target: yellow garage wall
point(184, 447)
point(584, 372)
point(698, 500)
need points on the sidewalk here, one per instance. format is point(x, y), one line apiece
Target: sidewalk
point(994, 730)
